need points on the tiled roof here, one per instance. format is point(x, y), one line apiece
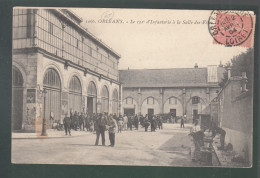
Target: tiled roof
point(176, 77)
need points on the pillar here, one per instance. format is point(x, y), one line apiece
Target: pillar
point(120, 109)
point(208, 95)
point(162, 99)
point(139, 100)
point(184, 101)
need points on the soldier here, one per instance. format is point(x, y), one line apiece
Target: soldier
point(82, 121)
point(101, 128)
point(160, 122)
point(115, 117)
point(120, 124)
point(142, 120)
point(125, 120)
point(146, 123)
point(75, 120)
point(87, 122)
point(130, 123)
point(111, 130)
point(182, 121)
point(67, 123)
point(153, 124)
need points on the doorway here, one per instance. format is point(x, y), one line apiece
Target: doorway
point(195, 114)
point(129, 112)
point(150, 112)
point(90, 105)
point(173, 112)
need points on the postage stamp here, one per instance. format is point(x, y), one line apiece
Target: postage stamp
point(232, 28)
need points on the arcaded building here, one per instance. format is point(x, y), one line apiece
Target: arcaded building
point(52, 52)
point(177, 91)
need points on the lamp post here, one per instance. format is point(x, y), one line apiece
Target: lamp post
point(44, 128)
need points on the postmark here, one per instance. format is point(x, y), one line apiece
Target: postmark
point(107, 15)
point(231, 28)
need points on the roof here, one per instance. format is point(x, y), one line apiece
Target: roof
point(73, 15)
point(85, 31)
point(176, 77)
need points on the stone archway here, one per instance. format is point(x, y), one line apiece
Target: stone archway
point(52, 84)
point(17, 99)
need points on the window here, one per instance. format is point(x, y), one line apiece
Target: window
point(51, 28)
point(129, 100)
point(173, 100)
point(75, 85)
point(115, 95)
point(92, 90)
point(29, 23)
point(150, 100)
point(104, 92)
point(52, 79)
point(195, 100)
point(17, 78)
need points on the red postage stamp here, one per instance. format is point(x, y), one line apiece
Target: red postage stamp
point(232, 28)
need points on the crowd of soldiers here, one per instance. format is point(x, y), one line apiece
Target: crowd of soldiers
point(84, 121)
point(102, 122)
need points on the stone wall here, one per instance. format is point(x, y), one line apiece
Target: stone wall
point(27, 64)
point(33, 67)
point(162, 95)
point(236, 117)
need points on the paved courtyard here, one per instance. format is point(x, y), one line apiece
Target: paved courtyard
point(167, 147)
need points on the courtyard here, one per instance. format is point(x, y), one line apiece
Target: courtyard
point(167, 147)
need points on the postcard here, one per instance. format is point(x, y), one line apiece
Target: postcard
point(133, 87)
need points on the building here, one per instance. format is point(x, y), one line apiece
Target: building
point(177, 91)
point(235, 116)
point(52, 52)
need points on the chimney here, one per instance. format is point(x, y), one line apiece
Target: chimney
point(196, 65)
point(244, 81)
point(229, 72)
point(220, 64)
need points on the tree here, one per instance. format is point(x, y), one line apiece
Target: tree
point(242, 63)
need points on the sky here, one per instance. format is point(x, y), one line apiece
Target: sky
point(146, 45)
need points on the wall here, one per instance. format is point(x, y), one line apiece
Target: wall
point(162, 95)
point(236, 117)
point(27, 65)
point(45, 63)
point(45, 29)
point(33, 67)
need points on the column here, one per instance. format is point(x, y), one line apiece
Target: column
point(120, 109)
point(162, 100)
point(184, 101)
point(139, 100)
point(208, 95)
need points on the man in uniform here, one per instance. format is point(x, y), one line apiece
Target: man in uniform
point(182, 121)
point(111, 130)
point(101, 128)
